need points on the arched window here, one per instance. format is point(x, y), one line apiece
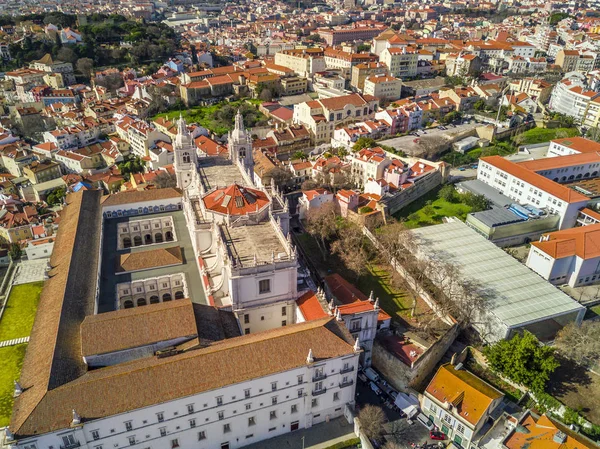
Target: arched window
point(128, 304)
point(179, 295)
point(578, 176)
point(147, 239)
point(137, 240)
point(167, 297)
point(571, 177)
point(154, 299)
point(186, 158)
point(594, 173)
point(169, 236)
point(587, 175)
point(127, 242)
point(555, 180)
point(563, 179)
point(158, 237)
point(141, 302)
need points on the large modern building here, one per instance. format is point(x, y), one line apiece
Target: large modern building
point(515, 298)
point(170, 320)
point(540, 184)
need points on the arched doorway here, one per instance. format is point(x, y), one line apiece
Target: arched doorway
point(587, 175)
point(126, 242)
point(141, 302)
point(167, 297)
point(137, 240)
point(158, 238)
point(154, 299)
point(147, 239)
point(169, 236)
point(179, 295)
point(128, 304)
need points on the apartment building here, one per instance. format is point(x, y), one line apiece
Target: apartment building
point(459, 404)
point(537, 89)
point(304, 62)
point(356, 32)
point(321, 117)
point(344, 61)
point(362, 71)
point(402, 62)
point(571, 96)
point(383, 87)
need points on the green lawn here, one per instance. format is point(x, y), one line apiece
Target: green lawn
point(11, 361)
point(20, 311)
point(205, 116)
point(539, 135)
point(422, 215)
point(396, 302)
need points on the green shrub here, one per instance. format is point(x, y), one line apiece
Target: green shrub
point(365, 210)
point(345, 444)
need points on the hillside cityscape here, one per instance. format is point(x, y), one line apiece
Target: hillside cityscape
point(299, 224)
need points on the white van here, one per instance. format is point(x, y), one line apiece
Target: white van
point(372, 375)
point(425, 421)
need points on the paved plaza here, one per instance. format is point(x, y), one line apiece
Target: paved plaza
point(31, 271)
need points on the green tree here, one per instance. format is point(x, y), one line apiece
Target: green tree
point(477, 202)
point(451, 117)
point(479, 105)
point(15, 251)
point(448, 193)
point(299, 155)
point(85, 67)
point(56, 196)
point(523, 359)
point(364, 142)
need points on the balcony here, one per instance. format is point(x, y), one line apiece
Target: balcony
point(347, 370)
point(319, 376)
point(347, 383)
point(319, 392)
point(72, 445)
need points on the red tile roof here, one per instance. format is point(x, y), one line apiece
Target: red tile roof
point(310, 306)
point(235, 200)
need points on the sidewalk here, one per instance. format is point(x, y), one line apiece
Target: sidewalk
point(319, 436)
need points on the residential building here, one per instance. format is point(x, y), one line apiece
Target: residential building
point(460, 64)
point(362, 71)
point(321, 117)
point(459, 404)
point(537, 89)
point(42, 171)
point(567, 60)
point(402, 62)
point(313, 199)
point(383, 87)
point(571, 97)
point(304, 62)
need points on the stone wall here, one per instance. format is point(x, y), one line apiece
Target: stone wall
point(413, 193)
point(402, 376)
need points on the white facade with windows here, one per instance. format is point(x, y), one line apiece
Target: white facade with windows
point(535, 189)
point(227, 418)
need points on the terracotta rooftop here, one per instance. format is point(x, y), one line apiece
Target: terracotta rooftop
point(139, 196)
point(235, 200)
point(310, 307)
point(145, 260)
point(470, 395)
point(583, 241)
point(580, 144)
point(519, 171)
point(139, 326)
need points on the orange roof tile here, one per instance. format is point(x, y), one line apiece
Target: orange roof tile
point(310, 306)
point(470, 395)
point(559, 191)
point(235, 200)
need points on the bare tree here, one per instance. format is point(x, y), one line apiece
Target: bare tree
point(580, 343)
point(322, 224)
point(353, 248)
point(309, 184)
point(281, 176)
point(165, 179)
point(372, 420)
point(85, 66)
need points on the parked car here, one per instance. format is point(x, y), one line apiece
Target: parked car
point(425, 421)
point(375, 388)
point(461, 168)
point(372, 374)
point(362, 377)
point(437, 435)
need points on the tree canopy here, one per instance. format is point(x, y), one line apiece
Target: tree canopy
point(524, 360)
